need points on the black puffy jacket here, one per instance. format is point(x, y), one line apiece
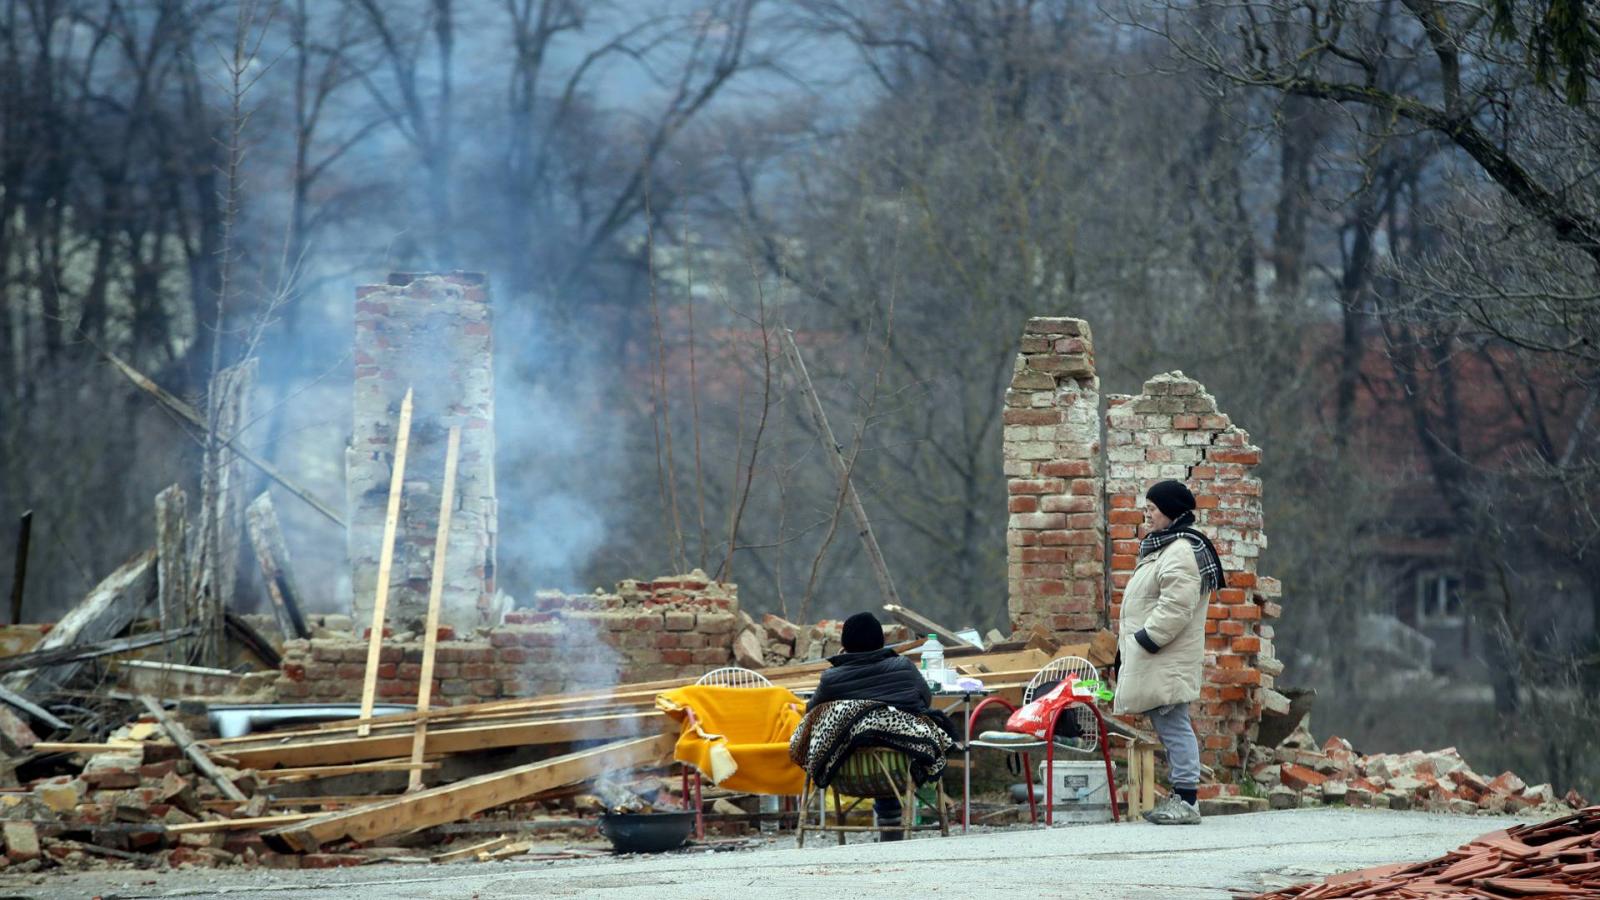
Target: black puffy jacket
point(874, 675)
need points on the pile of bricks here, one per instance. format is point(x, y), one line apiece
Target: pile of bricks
point(1299, 773)
point(1556, 858)
point(126, 800)
point(671, 627)
point(781, 642)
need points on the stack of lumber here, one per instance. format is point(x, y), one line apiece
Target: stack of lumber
point(1556, 858)
point(210, 801)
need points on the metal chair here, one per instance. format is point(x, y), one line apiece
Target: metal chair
point(730, 677)
point(873, 772)
point(1087, 722)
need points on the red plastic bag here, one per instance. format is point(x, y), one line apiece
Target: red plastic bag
point(1034, 717)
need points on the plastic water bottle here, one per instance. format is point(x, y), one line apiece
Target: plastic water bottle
point(933, 660)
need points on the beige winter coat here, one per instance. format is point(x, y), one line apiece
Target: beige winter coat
point(1163, 597)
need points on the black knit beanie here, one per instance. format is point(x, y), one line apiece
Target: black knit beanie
point(862, 632)
point(1171, 497)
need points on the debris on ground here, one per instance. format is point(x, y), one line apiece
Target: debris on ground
point(1298, 772)
point(1556, 858)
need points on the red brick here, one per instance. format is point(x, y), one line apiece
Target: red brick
point(1244, 457)
point(1248, 612)
point(294, 671)
point(1067, 469)
point(1237, 676)
point(1216, 611)
point(1230, 628)
point(1300, 777)
point(1036, 486)
point(386, 670)
point(1247, 645)
point(677, 657)
point(1125, 517)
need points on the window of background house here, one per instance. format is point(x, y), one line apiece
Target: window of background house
point(1438, 600)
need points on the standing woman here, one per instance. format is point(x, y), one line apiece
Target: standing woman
point(1162, 636)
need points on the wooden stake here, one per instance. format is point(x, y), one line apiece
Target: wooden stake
point(430, 634)
point(835, 454)
point(391, 520)
point(180, 736)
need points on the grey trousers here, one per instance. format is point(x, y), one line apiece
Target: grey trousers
point(1183, 748)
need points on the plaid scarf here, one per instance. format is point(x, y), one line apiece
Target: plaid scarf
point(1205, 555)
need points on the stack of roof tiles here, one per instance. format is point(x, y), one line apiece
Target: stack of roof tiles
point(1556, 858)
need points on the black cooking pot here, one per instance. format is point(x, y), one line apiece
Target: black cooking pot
point(652, 832)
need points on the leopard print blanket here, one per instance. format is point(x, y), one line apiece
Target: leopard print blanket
point(831, 731)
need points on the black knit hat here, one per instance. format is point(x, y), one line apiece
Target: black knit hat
point(1171, 497)
point(862, 632)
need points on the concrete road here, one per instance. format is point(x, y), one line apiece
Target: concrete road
point(1094, 862)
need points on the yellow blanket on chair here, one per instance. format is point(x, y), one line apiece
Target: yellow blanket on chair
point(738, 737)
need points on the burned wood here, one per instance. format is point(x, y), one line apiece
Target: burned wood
point(180, 736)
point(246, 634)
point(19, 569)
point(58, 656)
point(33, 709)
point(172, 564)
point(104, 613)
point(214, 564)
point(272, 556)
point(193, 417)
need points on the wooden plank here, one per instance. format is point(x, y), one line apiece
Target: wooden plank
point(85, 748)
point(103, 614)
point(248, 822)
point(925, 626)
point(472, 849)
point(180, 736)
point(57, 656)
point(834, 452)
point(307, 773)
point(272, 557)
point(354, 748)
point(430, 631)
point(193, 417)
point(380, 602)
point(451, 802)
point(214, 560)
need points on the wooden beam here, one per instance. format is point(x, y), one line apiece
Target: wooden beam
point(172, 567)
point(430, 631)
point(57, 656)
point(307, 773)
point(451, 802)
point(472, 849)
point(380, 602)
point(354, 748)
point(926, 626)
point(104, 613)
point(240, 824)
point(86, 748)
point(272, 556)
point(193, 417)
point(33, 709)
point(180, 736)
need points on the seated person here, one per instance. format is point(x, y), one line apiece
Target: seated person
point(867, 670)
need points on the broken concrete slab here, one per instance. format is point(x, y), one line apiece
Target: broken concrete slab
point(104, 613)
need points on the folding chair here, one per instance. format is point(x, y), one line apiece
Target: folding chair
point(873, 772)
point(1084, 716)
point(727, 676)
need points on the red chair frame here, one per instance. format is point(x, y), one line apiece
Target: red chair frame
point(1050, 756)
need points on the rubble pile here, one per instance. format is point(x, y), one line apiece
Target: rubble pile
point(1299, 773)
point(1556, 858)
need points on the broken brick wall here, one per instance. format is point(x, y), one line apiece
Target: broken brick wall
point(643, 631)
point(430, 333)
point(1173, 429)
point(1055, 536)
point(1075, 497)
